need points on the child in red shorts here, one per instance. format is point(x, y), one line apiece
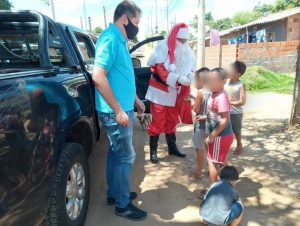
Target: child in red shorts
point(218, 125)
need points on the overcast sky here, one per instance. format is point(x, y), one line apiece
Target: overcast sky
point(70, 11)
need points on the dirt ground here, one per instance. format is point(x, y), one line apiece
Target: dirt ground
point(269, 185)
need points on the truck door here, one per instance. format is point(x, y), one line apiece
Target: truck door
point(26, 131)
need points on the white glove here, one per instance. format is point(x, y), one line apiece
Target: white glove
point(185, 80)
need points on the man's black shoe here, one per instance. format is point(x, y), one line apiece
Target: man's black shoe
point(131, 212)
point(112, 201)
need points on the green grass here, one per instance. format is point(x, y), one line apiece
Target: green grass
point(259, 79)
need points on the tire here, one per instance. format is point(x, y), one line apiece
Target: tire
point(72, 157)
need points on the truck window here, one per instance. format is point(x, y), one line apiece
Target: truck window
point(20, 48)
point(86, 49)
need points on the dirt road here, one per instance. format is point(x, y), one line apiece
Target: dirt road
point(270, 169)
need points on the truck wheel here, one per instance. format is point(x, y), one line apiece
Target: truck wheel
point(71, 187)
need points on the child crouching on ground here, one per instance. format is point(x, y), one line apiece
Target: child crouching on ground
point(237, 96)
point(221, 205)
point(200, 106)
point(218, 125)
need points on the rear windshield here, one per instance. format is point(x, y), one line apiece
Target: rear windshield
point(19, 48)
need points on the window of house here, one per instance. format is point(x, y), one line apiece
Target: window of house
point(271, 37)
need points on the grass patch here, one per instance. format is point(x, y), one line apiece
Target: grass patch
point(259, 79)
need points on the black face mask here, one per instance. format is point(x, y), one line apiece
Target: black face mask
point(131, 30)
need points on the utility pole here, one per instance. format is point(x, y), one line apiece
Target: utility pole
point(104, 15)
point(53, 9)
point(201, 34)
point(156, 27)
point(81, 23)
point(84, 15)
point(167, 11)
point(90, 23)
point(151, 19)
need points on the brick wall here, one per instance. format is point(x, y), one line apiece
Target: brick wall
point(276, 56)
point(229, 54)
point(293, 27)
point(212, 56)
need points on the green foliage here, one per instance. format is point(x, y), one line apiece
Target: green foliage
point(285, 4)
point(5, 5)
point(221, 24)
point(245, 17)
point(162, 33)
point(98, 30)
point(242, 18)
point(263, 8)
point(260, 79)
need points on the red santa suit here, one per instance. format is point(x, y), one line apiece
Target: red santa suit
point(172, 64)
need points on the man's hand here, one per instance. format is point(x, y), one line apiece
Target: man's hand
point(209, 139)
point(122, 118)
point(140, 106)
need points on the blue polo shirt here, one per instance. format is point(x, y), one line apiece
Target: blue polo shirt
point(112, 55)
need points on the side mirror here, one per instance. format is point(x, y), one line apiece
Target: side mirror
point(136, 62)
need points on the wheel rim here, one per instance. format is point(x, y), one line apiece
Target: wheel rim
point(75, 191)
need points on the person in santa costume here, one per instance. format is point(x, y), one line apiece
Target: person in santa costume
point(172, 64)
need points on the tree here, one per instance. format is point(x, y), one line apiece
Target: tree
point(221, 24)
point(285, 4)
point(263, 8)
point(245, 17)
point(98, 30)
point(162, 33)
point(5, 5)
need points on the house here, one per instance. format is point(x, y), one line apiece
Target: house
point(272, 27)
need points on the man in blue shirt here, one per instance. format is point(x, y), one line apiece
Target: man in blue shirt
point(115, 100)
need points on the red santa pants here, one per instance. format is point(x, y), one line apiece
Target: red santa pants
point(164, 119)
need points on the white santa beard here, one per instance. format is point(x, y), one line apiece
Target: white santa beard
point(184, 59)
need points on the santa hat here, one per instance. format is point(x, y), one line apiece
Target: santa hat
point(181, 31)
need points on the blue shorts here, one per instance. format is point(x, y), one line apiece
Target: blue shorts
point(236, 211)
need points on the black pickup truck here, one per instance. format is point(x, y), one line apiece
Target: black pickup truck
point(48, 122)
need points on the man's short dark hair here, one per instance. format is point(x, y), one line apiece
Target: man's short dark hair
point(239, 66)
point(126, 7)
point(221, 72)
point(229, 173)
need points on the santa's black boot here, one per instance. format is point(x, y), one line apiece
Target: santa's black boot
point(172, 147)
point(153, 149)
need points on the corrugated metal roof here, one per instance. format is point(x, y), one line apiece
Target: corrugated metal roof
point(265, 19)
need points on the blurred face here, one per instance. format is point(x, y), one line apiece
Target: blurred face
point(199, 83)
point(214, 82)
point(233, 74)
